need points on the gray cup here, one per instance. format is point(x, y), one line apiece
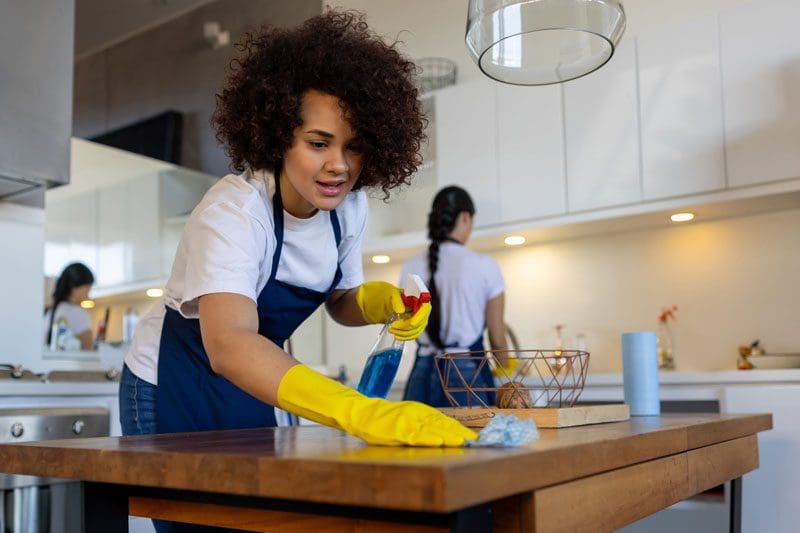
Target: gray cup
point(640, 373)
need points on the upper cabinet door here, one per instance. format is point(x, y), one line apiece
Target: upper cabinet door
point(466, 145)
point(760, 52)
point(681, 110)
point(530, 152)
point(602, 135)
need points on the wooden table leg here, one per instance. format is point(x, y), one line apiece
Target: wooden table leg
point(736, 505)
point(105, 508)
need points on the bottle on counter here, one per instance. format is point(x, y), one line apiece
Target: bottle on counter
point(59, 334)
point(101, 329)
point(384, 359)
point(129, 322)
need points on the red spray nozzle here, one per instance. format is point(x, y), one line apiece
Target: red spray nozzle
point(415, 302)
point(415, 293)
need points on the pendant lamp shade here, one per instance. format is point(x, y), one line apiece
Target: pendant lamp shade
point(540, 42)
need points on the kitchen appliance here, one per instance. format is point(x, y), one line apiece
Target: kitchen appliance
point(30, 504)
point(775, 360)
point(36, 96)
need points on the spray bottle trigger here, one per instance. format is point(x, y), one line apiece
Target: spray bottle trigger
point(415, 293)
point(413, 303)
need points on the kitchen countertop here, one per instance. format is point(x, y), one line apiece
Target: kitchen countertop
point(317, 476)
point(714, 377)
point(670, 379)
point(13, 387)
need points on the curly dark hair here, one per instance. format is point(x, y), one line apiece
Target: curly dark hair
point(335, 53)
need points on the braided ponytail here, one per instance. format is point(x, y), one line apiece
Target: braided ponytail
point(447, 205)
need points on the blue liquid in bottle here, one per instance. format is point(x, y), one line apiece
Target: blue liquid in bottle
point(379, 373)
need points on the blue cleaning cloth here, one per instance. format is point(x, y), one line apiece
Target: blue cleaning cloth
point(506, 430)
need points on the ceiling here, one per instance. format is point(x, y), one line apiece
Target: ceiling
point(103, 23)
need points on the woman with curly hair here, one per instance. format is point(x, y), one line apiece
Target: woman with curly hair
point(468, 296)
point(310, 117)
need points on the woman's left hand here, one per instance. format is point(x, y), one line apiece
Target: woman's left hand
point(411, 327)
point(379, 301)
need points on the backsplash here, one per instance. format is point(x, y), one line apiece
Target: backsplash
point(734, 280)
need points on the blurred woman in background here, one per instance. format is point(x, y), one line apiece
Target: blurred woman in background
point(72, 287)
point(467, 295)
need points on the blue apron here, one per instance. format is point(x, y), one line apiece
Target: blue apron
point(424, 384)
point(190, 396)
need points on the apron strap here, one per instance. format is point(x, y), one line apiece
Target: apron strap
point(337, 230)
point(277, 222)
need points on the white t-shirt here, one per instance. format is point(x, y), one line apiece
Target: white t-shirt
point(465, 281)
point(78, 319)
point(228, 244)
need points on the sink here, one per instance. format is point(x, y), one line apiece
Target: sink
point(775, 360)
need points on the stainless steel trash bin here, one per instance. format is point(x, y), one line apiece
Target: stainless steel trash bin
point(31, 504)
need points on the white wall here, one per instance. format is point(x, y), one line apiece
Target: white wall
point(734, 280)
point(21, 284)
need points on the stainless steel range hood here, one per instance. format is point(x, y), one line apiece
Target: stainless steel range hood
point(11, 188)
point(36, 49)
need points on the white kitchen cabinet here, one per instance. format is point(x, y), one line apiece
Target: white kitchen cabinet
point(126, 231)
point(680, 99)
point(466, 145)
point(530, 152)
point(770, 499)
point(602, 135)
point(71, 233)
point(760, 57)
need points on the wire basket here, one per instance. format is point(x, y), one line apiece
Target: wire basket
point(540, 378)
point(436, 73)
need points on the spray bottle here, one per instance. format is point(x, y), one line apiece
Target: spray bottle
point(384, 358)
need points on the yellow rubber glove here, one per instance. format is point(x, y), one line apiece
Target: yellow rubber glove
point(411, 327)
point(505, 370)
point(313, 396)
point(379, 301)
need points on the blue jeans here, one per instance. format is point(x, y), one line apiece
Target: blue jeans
point(137, 404)
point(424, 384)
point(137, 416)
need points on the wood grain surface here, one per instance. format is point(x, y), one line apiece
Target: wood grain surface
point(318, 464)
point(608, 501)
point(265, 520)
point(544, 417)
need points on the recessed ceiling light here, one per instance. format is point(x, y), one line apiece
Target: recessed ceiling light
point(514, 240)
point(155, 293)
point(87, 304)
point(381, 259)
point(682, 217)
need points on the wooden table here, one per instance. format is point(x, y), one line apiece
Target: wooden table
point(590, 478)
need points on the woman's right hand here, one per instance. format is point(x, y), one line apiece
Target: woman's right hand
point(311, 395)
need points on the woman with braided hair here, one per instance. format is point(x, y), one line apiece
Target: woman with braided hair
point(467, 295)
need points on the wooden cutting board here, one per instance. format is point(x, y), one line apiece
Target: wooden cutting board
point(545, 417)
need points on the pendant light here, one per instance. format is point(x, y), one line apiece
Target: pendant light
point(540, 42)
